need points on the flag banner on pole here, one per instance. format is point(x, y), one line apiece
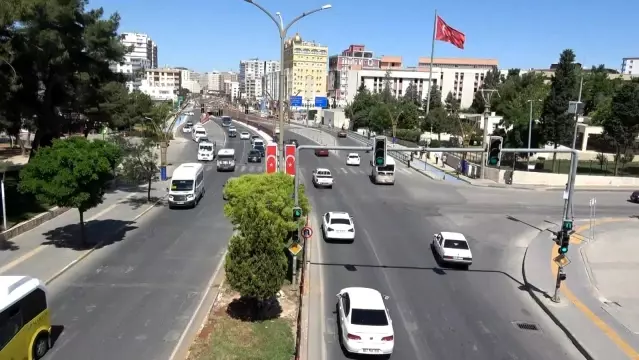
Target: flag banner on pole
point(448, 34)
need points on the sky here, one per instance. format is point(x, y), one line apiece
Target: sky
point(206, 35)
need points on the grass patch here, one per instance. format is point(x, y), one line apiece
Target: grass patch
point(228, 336)
point(20, 207)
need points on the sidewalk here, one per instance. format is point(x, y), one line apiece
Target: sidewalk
point(599, 308)
point(49, 249)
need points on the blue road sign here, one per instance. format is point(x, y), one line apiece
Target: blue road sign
point(321, 102)
point(296, 101)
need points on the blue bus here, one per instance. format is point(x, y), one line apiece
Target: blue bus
point(226, 121)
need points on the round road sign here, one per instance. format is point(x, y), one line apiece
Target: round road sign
point(307, 232)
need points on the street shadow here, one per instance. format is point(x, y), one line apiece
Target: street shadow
point(137, 202)
point(56, 332)
point(8, 245)
point(250, 309)
point(99, 233)
point(511, 218)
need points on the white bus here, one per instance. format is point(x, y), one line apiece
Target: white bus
point(226, 121)
point(187, 185)
point(226, 160)
point(384, 174)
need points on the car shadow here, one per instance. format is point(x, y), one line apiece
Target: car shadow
point(99, 233)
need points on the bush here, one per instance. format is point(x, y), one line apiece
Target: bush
point(408, 135)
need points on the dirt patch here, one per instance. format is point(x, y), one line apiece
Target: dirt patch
point(230, 334)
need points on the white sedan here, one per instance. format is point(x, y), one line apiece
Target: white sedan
point(245, 135)
point(338, 225)
point(353, 159)
point(452, 248)
point(364, 322)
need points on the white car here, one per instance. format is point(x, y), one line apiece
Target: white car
point(353, 159)
point(364, 322)
point(187, 129)
point(245, 135)
point(338, 225)
point(452, 248)
point(322, 178)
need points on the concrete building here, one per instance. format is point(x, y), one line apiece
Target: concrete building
point(143, 55)
point(162, 84)
point(630, 66)
point(356, 57)
point(232, 89)
point(250, 76)
point(461, 77)
point(305, 66)
point(188, 82)
point(271, 85)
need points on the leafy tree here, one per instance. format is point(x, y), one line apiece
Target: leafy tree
point(436, 122)
point(358, 111)
point(380, 117)
point(622, 126)
point(140, 163)
point(261, 208)
point(408, 115)
point(491, 81)
point(435, 99)
point(71, 173)
point(387, 94)
point(598, 89)
point(412, 95)
point(451, 104)
point(556, 125)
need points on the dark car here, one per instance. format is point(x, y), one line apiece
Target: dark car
point(321, 152)
point(255, 156)
point(341, 134)
point(293, 142)
point(260, 149)
point(634, 197)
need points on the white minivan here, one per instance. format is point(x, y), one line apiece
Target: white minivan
point(258, 142)
point(187, 185)
point(205, 151)
point(197, 133)
point(226, 160)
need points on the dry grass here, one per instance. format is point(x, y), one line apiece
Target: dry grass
point(227, 336)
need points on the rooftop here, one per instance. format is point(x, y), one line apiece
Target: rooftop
point(365, 298)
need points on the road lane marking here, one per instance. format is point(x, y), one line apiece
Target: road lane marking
point(41, 247)
point(602, 325)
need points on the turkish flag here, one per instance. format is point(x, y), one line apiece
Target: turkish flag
point(290, 159)
point(448, 34)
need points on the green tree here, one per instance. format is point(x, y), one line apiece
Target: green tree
point(556, 125)
point(598, 88)
point(412, 94)
point(436, 122)
point(260, 207)
point(358, 111)
point(408, 115)
point(491, 81)
point(622, 126)
point(140, 162)
point(435, 100)
point(387, 93)
point(71, 173)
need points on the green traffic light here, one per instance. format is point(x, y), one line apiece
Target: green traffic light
point(379, 161)
point(563, 250)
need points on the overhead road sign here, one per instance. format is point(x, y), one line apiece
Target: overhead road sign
point(296, 101)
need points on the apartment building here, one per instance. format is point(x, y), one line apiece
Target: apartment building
point(143, 54)
point(460, 77)
point(162, 84)
point(306, 69)
point(356, 57)
point(250, 76)
point(232, 89)
point(271, 85)
point(187, 82)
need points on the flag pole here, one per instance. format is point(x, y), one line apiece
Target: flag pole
point(432, 56)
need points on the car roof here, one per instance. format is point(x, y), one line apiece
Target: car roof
point(245, 132)
point(186, 171)
point(353, 154)
point(447, 235)
point(365, 298)
point(226, 152)
point(256, 136)
point(322, 169)
point(15, 287)
point(339, 215)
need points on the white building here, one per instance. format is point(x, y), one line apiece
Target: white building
point(143, 55)
point(250, 76)
point(162, 84)
point(188, 82)
point(630, 66)
point(271, 85)
point(461, 77)
point(232, 88)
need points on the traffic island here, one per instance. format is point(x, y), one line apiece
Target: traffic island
point(233, 329)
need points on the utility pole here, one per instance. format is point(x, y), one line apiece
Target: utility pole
point(487, 95)
point(577, 109)
point(530, 124)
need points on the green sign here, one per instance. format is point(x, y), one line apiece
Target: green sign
point(567, 225)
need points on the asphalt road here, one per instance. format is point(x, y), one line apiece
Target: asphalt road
point(438, 313)
point(135, 298)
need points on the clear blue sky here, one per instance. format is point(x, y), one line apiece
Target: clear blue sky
point(216, 34)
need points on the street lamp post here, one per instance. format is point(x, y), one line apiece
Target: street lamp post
point(487, 95)
point(282, 32)
point(530, 121)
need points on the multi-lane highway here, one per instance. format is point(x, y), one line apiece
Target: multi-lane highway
point(437, 312)
point(135, 298)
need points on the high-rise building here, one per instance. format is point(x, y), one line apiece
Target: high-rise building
point(143, 55)
point(250, 76)
point(162, 84)
point(354, 58)
point(305, 67)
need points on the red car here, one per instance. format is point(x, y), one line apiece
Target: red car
point(321, 152)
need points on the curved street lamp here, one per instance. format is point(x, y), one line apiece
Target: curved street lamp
point(282, 30)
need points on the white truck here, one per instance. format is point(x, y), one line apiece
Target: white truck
point(322, 178)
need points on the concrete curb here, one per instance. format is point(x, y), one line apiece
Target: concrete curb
point(32, 223)
point(97, 246)
point(301, 341)
point(543, 236)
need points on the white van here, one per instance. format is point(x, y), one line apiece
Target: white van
point(257, 142)
point(206, 151)
point(187, 185)
point(226, 160)
point(198, 132)
point(384, 174)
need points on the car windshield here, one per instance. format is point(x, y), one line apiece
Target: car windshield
point(259, 148)
point(353, 156)
point(200, 132)
point(245, 133)
point(456, 244)
point(207, 148)
point(188, 125)
point(369, 317)
point(225, 157)
point(255, 137)
point(324, 174)
point(340, 221)
point(182, 185)
point(387, 168)
point(254, 153)
point(204, 139)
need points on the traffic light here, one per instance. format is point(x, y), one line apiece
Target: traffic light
point(564, 241)
point(295, 236)
point(202, 109)
point(297, 213)
point(379, 151)
point(494, 151)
